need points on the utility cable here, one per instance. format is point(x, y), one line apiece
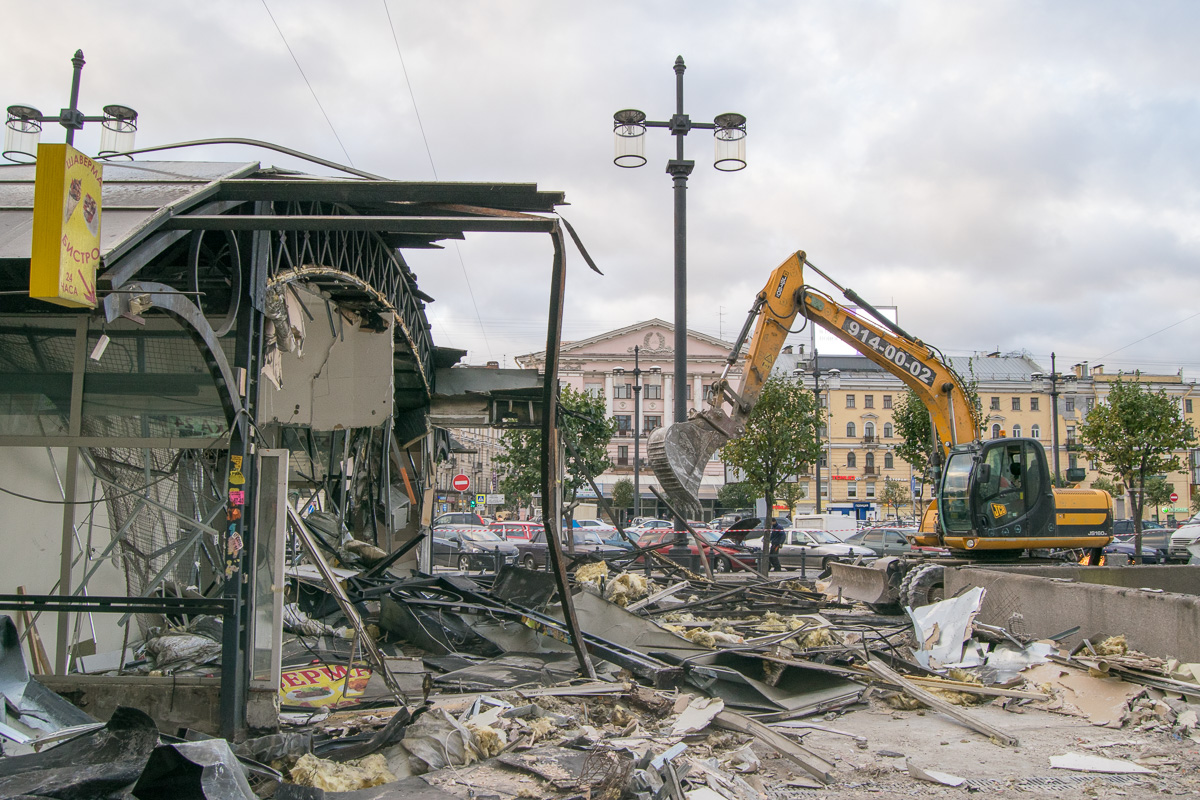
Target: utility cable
point(429, 154)
point(306, 81)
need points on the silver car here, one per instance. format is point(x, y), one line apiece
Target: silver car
point(810, 550)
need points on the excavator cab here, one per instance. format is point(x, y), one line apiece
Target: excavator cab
point(995, 495)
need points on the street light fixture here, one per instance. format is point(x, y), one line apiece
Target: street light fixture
point(1049, 383)
point(23, 126)
point(629, 130)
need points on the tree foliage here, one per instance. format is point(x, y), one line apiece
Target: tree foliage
point(894, 494)
point(780, 438)
point(736, 495)
point(915, 428)
point(1108, 485)
point(1135, 434)
point(622, 494)
point(582, 422)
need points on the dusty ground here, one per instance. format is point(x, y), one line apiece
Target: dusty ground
point(935, 742)
point(932, 742)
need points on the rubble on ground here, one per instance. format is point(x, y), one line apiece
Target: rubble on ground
point(746, 688)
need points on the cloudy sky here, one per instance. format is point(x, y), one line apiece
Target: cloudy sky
point(1014, 176)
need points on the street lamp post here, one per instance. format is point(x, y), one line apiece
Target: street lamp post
point(1041, 381)
point(23, 126)
point(637, 434)
point(629, 128)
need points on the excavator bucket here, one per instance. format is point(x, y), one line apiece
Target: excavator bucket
point(678, 454)
point(875, 585)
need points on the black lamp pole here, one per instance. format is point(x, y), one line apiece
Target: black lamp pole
point(730, 130)
point(637, 434)
point(817, 396)
point(1054, 415)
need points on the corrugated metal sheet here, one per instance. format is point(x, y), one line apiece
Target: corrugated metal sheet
point(133, 195)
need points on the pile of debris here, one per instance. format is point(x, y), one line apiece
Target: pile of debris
point(677, 688)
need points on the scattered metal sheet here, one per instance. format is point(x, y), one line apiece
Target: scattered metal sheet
point(1087, 763)
point(205, 770)
point(942, 629)
point(96, 764)
point(32, 709)
point(511, 670)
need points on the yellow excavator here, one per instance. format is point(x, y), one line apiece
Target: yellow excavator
point(994, 501)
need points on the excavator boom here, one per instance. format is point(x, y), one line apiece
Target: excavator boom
point(678, 453)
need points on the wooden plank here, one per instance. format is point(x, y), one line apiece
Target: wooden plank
point(810, 762)
point(938, 704)
point(38, 658)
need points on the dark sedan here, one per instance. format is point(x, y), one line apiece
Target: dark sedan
point(724, 556)
point(1122, 549)
point(533, 553)
point(470, 547)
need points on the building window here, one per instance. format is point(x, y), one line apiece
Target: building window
point(1072, 461)
point(869, 461)
point(624, 424)
point(650, 422)
point(850, 430)
point(823, 433)
point(995, 404)
point(851, 460)
point(1016, 430)
point(653, 391)
point(1069, 404)
point(824, 460)
point(1187, 405)
point(623, 391)
point(887, 430)
point(1070, 434)
point(1089, 403)
point(1033, 404)
point(824, 488)
point(870, 490)
point(622, 455)
point(1016, 404)
point(852, 489)
point(687, 391)
point(887, 401)
point(868, 401)
point(888, 461)
point(996, 431)
point(1035, 432)
point(869, 431)
point(849, 401)
point(594, 389)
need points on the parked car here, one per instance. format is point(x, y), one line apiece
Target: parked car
point(1121, 549)
point(1154, 535)
point(802, 548)
point(722, 556)
point(470, 547)
point(532, 553)
point(614, 540)
point(1181, 538)
point(594, 525)
point(652, 525)
point(892, 542)
point(458, 518)
point(515, 530)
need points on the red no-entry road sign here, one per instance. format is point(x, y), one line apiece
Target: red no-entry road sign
point(461, 482)
point(1174, 497)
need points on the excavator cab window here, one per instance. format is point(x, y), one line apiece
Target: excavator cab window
point(1009, 485)
point(955, 502)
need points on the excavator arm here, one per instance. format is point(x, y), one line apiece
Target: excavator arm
point(679, 452)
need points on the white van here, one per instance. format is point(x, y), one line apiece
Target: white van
point(1183, 536)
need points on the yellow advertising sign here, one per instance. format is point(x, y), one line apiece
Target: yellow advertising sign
point(320, 685)
point(66, 227)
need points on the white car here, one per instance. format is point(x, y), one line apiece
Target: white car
point(594, 525)
point(652, 525)
point(1183, 536)
point(806, 549)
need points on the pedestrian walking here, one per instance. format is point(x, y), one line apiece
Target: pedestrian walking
point(777, 538)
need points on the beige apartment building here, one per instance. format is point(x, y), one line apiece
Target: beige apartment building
point(859, 396)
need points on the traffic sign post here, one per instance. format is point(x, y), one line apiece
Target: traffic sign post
point(461, 483)
point(1174, 497)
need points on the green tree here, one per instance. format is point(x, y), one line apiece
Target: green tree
point(791, 493)
point(780, 438)
point(622, 496)
point(1158, 492)
point(894, 494)
point(1136, 433)
point(583, 424)
point(1108, 485)
point(733, 496)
